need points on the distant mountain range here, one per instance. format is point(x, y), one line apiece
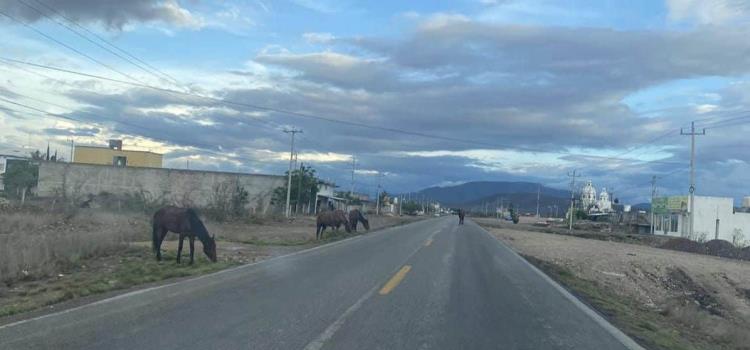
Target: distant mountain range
point(474, 195)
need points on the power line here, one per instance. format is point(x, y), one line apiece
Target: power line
point(204, 148)
point(72, 21)
point(326, 119)
point(69, 28)
point(69, 47)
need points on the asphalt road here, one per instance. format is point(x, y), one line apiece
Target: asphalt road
point(429, 285)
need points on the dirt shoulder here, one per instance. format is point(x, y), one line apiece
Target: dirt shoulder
point(131, 265)
point(664, 299)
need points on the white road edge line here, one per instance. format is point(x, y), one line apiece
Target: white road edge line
point(146, 290)
point(331, 330)
point(623, 338)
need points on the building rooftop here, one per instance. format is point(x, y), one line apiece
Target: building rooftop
point(123, 150)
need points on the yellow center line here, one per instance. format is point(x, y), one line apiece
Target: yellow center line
point(395, 280)
point(428, 242)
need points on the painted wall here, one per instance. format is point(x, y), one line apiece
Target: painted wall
point(105, 156)
point(707, 211)
point(173, 186)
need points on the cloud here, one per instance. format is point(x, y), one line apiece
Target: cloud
point(111, 14)
point(318, 38)
point(83, 131)
point(521, 96)
point(713, 12)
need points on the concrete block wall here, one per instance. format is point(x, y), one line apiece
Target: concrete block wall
point(173, 186)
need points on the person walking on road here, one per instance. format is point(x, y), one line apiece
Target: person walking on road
point(461, 214)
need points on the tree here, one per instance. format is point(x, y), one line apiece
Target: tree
point(20, 177)
point(513, 214)
point(410, 207)
point(304, 188)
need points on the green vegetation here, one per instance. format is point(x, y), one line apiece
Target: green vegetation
point(304, 188)
point(135, 267)
point(20, 177)
point(410, 207)
point(227, 201)
point(649, 327)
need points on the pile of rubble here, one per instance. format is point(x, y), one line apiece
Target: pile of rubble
point(715, 247)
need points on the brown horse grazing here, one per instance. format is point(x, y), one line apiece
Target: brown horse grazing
point(185, 222)
point(333, 219)
point(356, 216)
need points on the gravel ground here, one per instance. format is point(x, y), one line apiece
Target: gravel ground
point(668, 282)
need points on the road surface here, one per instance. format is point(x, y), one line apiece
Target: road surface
point(428, 285)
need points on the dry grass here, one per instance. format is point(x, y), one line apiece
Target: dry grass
point(35, 245)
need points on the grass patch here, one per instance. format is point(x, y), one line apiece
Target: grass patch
point(647, 326)
point(135, 267)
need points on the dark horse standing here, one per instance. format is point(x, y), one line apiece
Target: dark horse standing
point(356, 216)
point(185, 222)
point(461, 214)
point(334, 219)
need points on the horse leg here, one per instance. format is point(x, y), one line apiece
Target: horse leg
point(156, 241)
point(162, 234)
point(192, 248)
point(179, 248)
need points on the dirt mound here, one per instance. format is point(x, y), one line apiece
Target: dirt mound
point(745, 253)
point(722, 248)
point(684, 245)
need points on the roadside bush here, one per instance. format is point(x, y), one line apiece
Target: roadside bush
point(227, 201)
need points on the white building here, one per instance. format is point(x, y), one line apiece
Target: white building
point(590, 202)
point(715, 218)
point(588, 195)
point(604, 204)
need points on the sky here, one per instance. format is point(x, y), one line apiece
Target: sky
point(420, 93)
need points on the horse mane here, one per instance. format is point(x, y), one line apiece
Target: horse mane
point(196, 225)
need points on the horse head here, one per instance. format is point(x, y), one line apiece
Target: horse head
point(209, 247)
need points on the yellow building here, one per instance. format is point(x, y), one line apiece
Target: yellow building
point(115, 155)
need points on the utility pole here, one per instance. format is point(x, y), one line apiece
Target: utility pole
point(573, 177)
point(653, 195)
point(297, 206)
point(692, 135)
point(400, 202)
point(71, 151)
point(497, 205)
point(538, 192)
point(293, 132)
point(377, 201)
point(354, 166)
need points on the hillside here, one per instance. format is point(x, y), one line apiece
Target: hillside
point(472, 193)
